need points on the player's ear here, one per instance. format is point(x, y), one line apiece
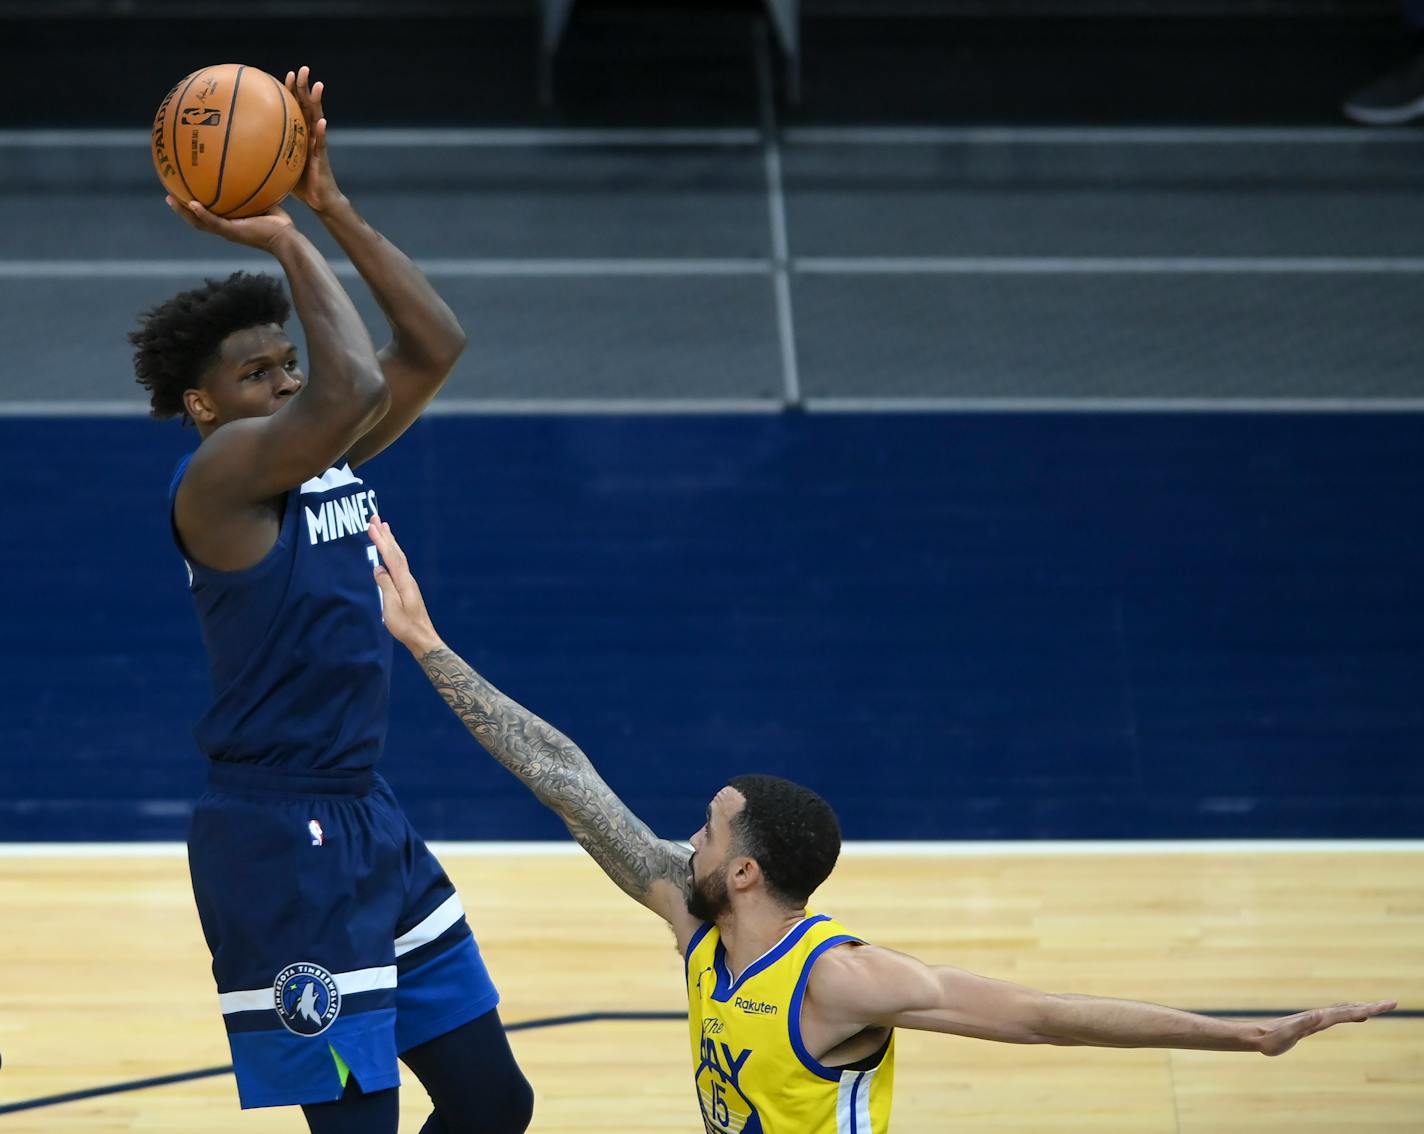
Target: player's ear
point(199, 406)
point(747, 873)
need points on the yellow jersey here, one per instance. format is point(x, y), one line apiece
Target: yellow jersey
point(753, 1072)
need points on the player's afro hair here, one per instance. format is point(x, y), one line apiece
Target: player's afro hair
point(791, 832)
point(178, 339)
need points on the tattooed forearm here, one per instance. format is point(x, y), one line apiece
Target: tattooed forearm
point(558, 772)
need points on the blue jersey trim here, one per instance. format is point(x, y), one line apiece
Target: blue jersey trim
point(793, 1016)
point(726, 986)
point(702, 931)
point(178, 475)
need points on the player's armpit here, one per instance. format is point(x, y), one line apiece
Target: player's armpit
point(667, 897)
point(253, 459)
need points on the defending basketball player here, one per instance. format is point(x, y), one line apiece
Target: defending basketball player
point(338, 942)
point(792, 1019)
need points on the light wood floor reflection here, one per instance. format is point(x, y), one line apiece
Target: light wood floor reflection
point(104, 979)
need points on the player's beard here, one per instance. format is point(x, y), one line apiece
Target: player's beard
point(709, 899)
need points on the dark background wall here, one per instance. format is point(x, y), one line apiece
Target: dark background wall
point(1052, 625)
point(460, 62)
point(1079, 622)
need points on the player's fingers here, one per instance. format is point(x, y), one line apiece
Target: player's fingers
point(1358, 1012)
point(378, 537)
point(390, 550)
point(391, 593)
point(188, 217)
point(318, 89)
point(304, 80)
point(197, 216)
point(206, 220)
point(397, 552)
point(290, 81)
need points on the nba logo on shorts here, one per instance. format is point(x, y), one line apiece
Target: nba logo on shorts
point(306, 998)
point(314, 830)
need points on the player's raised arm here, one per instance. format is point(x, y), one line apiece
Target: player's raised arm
point(426, 338)
point(857, 987)
point(258, 457)
point(651, 870)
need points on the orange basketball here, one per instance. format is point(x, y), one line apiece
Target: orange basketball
point(230, 137)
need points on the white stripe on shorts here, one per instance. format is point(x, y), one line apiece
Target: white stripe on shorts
point(348, 984)
point(446, 914)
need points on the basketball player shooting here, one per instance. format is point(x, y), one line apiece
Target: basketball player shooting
point(338, 942)
point(791, 1018)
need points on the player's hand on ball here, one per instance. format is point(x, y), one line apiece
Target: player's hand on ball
point(404, 608)
point(262, 231)
point(317, 187)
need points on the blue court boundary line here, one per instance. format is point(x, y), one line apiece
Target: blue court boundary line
point(524, 1025)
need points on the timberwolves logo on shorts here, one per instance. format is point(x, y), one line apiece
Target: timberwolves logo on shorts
point(306, 998)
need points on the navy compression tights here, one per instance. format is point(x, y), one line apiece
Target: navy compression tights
point(471, 1077)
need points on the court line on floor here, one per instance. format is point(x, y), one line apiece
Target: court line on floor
point(454, 137)
point(210, 1072)
point(780, 266)
point(458, 407)
point(711, 407)
point(1099, 135)
point(1108, 265)
point(548, 1022)
point(472, 268)
point(984, 848)
point(1224, 404)
point(596, 407)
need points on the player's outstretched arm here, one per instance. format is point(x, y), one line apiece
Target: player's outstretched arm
point(651, 870)
point(869, 986)
point(426, 338)
point(256, 458)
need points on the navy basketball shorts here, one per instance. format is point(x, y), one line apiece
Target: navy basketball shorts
point(337, 940)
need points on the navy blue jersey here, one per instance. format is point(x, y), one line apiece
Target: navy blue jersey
point(299, 661)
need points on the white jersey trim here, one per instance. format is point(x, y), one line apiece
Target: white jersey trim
point(853, 1102)
point(332, 478)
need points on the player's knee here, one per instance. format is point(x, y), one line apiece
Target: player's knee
point(502, 1106)
point(521, 1107)
point(516, 1108)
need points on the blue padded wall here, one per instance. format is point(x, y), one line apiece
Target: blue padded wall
point(997, 626)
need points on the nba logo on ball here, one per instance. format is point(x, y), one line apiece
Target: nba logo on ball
point(306, 998)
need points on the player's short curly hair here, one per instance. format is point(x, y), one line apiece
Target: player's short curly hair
point(791, 832)
point(177, 340)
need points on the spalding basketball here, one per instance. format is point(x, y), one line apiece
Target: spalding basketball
point(231, 138)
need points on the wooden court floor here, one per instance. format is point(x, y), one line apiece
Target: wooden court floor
point(104, 980)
